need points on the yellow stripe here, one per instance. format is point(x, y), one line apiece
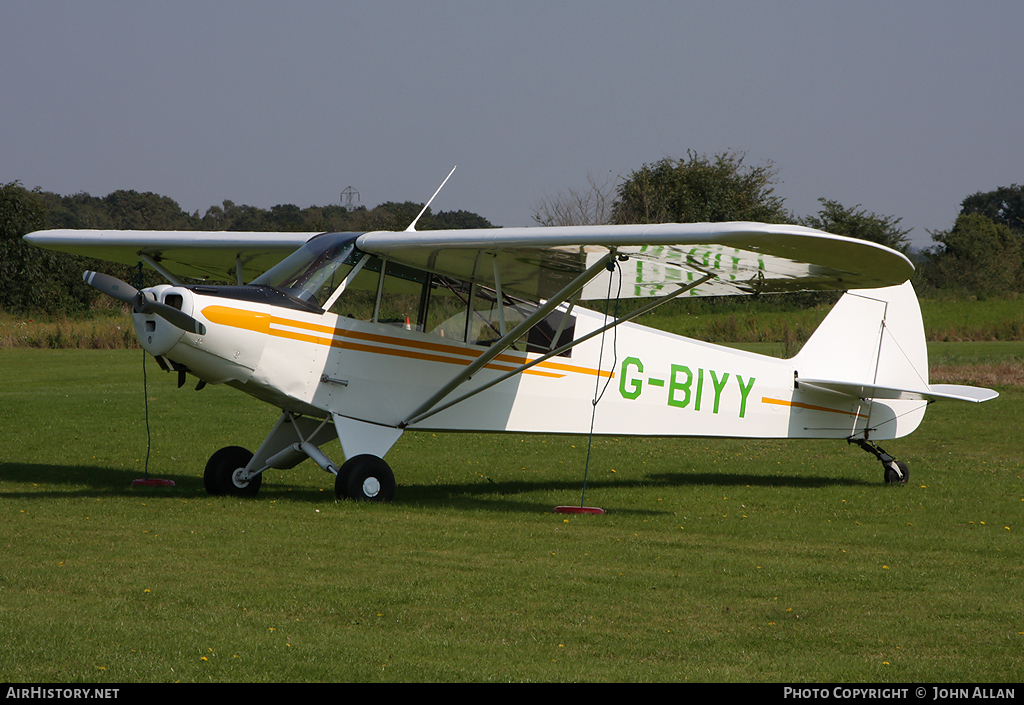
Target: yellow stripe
point(360, 347)
point(261, 323)
point(410, 354)
point(238, 318)
point(574, 368)
point(438, 347)
point(801, 405)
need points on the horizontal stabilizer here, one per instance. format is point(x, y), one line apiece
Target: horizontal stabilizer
point(934, 392)
point(962, 392)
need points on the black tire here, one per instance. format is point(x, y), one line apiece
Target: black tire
point(220, 469)
point(893, 478)
point(365, 478)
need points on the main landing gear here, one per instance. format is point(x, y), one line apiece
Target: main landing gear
point(895, 471)
point(366, 478)
point(224, 473)
point(237, 472)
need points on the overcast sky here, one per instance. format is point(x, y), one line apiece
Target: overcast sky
point(902, 107)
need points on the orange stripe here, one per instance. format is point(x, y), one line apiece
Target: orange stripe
point(436, 347)
point(258, 322)
point(238, 318)
point(574, 368)
point(801, 405)
point(360, 347)
point(437, 358)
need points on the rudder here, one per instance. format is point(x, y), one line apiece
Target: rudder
point(873, 338)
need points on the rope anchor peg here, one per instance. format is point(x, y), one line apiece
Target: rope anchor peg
point(578, 510)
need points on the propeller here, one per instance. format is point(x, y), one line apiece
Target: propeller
point(114, 287)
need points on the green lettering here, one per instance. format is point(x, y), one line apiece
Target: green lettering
point(700, 388)
point(744, 391)
point(641, 284)
point(636, 386)
point(673, 386)
point(719, 385)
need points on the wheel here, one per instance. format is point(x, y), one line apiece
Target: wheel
point(223, 469)
point(896, 478)
point(366, 478)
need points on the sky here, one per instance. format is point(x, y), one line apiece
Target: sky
point(903, 108)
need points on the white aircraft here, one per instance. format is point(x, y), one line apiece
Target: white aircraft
point(362, 336)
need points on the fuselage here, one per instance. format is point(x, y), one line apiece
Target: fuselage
point(648, 382)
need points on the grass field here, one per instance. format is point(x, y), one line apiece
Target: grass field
point(725, 320)
point(717, 560)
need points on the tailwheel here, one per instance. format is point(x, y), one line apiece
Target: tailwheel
point(366, 478)
point(896, 472)
point(224, 470)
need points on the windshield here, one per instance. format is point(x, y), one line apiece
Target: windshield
point(315, 270)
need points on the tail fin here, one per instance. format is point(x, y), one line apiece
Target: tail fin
point(873, 337)
point(872, 346)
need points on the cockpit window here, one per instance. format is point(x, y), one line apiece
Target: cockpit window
point(394, 294)
point(315, 270)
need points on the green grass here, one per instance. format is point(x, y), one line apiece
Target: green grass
point(717, 560)
point(990, 319)
point(107, 329)
point(996, 352)
point(778, 321)
point(776, 326)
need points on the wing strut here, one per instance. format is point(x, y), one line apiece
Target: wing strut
point(160, 268)
point(512, 336)
point(427, 411)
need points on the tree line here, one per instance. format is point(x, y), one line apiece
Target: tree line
point(44, 282)
point(981, 255)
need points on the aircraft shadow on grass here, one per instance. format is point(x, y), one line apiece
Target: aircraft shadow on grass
point(58, 481)
point(501, 495)
point(83, 480)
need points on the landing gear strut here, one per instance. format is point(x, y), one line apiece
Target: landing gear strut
point(896, 471)
point(365, 476)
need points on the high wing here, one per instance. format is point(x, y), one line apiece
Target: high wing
point(230, 256)
point(535, 263)
point(742, 258)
